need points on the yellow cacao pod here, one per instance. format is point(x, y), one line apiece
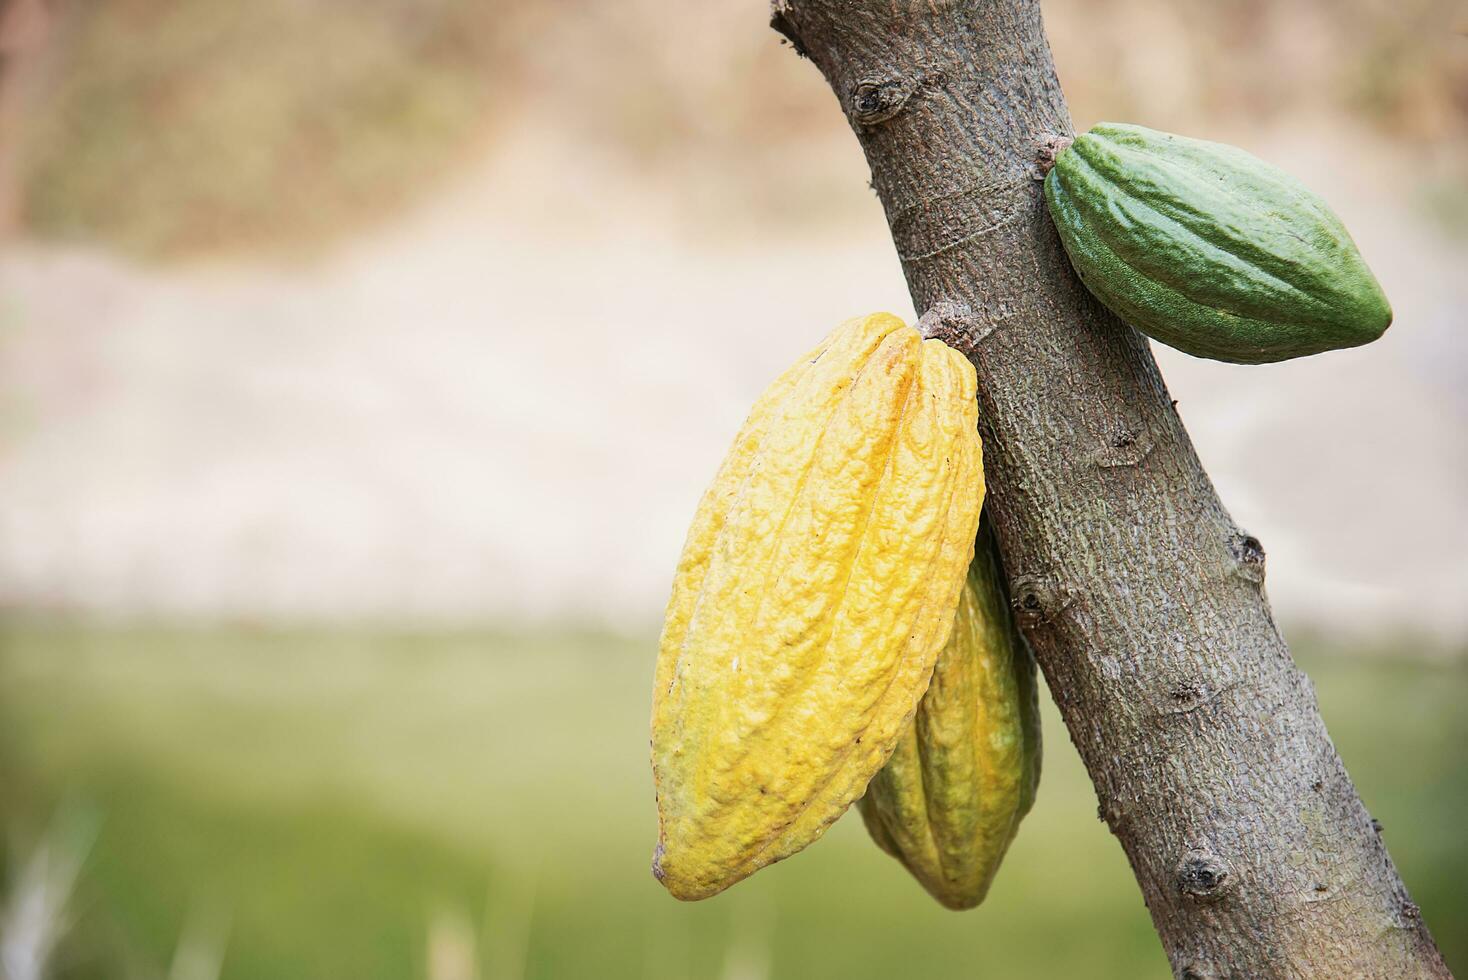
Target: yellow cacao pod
point(964, 772)
point(815, 589)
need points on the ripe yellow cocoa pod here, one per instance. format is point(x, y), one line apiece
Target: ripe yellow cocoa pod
point(964, 773)
point(815, 589)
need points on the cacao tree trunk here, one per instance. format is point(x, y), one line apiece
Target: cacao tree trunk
point(1142, 599)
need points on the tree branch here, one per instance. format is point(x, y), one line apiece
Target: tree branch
point(1143, 601)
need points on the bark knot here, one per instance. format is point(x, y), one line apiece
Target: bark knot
point(1036, 600)
point(1128, 443)
point(1248, 556)
point(1199, 971)
point(1203, 876)
point(1186, 696)
point(875, 100)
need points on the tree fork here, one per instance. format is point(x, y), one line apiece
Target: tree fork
point(1142, 599)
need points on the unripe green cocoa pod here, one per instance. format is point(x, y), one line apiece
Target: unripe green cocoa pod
point(964, 773)
point(1210, 250)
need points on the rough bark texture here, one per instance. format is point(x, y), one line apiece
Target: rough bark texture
point(1143, 601)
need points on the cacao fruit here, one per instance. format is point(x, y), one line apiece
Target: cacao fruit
point(1209, 249)
point(815, 589)
point(965, 771)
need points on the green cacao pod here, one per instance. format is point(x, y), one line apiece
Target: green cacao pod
point(816, 588)
point(1209, 249)
point(964, 773)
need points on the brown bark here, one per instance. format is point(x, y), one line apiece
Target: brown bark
point(1143, 601)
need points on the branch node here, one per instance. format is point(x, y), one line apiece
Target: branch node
point(1127, 444)
point(1248, 556)
point(875, 100)
point(1203, 876)
point(1185, 696)
point(1036, 601)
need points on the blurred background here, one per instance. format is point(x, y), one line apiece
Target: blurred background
point(361, 364)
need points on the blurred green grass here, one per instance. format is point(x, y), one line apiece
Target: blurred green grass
point(335, 798)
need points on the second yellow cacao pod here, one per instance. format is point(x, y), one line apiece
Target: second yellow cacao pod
point(964, 773)
point(816, 587)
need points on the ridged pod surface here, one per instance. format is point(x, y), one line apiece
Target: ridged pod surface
point(815, 589)
point(965, 771)
point(1209, 249)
